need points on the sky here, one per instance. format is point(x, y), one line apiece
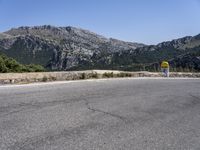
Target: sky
point(144, 21)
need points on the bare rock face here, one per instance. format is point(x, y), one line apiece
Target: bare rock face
point(70, 48)
point(60, 48)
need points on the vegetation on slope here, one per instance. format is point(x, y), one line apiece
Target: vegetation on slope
point(69, 48)
point(8, 64)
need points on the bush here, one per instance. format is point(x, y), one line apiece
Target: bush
point(34, 68)
point(108, 75)
point(10, 65)
point(3, 67)
point(52, 78)
point(122, 74)
point(94, 75)
point(83, 76)
point(44, 79)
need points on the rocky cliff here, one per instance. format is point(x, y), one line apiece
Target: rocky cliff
point(70, 48)
point(60, 48)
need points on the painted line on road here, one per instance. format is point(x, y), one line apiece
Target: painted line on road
point(91, 80)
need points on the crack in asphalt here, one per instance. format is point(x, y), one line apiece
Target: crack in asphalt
point(87, 104)
point(197, 98)
point(15, 108)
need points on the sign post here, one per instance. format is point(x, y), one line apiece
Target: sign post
point(165, 68)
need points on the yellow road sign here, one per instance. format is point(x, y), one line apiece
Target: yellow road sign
point(164, 64)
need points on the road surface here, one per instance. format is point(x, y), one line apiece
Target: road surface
point(115, 114)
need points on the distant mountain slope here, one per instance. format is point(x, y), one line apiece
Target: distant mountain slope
point(189, 62)
point(60, 48)
point(147, 55)
point(70, 48)
point(72, 34)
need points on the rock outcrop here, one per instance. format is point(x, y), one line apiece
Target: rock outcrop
point(70, 48)
point(60, 48)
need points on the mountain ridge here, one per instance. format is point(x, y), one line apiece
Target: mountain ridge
point(70, 48)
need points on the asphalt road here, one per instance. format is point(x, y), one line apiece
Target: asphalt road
point(116, 114)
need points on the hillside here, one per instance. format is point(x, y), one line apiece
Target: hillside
point(60, 48)
point(10, 65)
point(173, 51)
point(70, 48)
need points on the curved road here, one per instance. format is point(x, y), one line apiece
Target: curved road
point(114, 114)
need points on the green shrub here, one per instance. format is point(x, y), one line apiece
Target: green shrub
point(53, 78)
point(3, 67)
point(94, 75)
point(34, 68)
point(83, 76)
point(122, 74)
point(44, 79)
point(108, 75)
point(10, 65)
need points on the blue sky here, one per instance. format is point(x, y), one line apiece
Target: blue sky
point(146, 21)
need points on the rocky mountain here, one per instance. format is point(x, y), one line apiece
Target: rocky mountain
point(189, 62)
point(186, 62)
point(60, 48)
point(175, 50)
point(70, 48)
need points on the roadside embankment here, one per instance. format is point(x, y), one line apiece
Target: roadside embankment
point(23, 78)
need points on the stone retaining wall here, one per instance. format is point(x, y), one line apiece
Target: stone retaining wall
point(14, 78)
